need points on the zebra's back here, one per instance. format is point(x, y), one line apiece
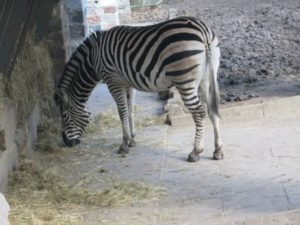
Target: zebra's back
point(153, 58)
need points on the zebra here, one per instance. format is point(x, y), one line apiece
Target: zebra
point(182, 52)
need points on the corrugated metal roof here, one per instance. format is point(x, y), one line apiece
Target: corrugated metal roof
point(16, 18)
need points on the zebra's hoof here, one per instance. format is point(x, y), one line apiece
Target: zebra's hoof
point(123, 150)
point(193, 157)
point(132, 143)
point(218, 155)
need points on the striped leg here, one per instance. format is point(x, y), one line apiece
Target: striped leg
point(130, 100)
point(119, 94)
point(197, 109)
point(218, 153)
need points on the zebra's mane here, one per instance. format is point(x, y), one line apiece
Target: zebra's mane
point(79, 68)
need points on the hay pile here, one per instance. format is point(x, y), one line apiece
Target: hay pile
point(49, 135)
point(33, 195)
point(41, 196)
point(31, 79)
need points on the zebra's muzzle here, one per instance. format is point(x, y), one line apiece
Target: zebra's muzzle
point(70, 142)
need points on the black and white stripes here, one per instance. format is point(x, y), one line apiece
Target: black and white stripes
point(182, 52)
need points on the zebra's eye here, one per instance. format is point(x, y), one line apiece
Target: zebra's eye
point(64, 115)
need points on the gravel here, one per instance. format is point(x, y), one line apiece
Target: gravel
point(260, 41)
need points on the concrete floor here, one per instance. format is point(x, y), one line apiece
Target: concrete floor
point(259, 176)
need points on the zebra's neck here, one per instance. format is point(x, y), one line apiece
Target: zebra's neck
point(80, 77)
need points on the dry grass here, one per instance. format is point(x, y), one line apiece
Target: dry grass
point(33, 194)
point(103, 121)
point(41, 196)
point(110, 120)
point(49, 138)
point(150, 121)
point(31, 79)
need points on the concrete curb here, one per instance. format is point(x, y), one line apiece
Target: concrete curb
point(283, 108)
point(8, 157)
point(4, 210)
point(282, 218)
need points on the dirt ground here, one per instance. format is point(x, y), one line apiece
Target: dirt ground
point(259, 40)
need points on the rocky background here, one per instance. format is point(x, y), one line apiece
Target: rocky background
point(260, 43)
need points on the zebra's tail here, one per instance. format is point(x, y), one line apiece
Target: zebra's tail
point(213, 91)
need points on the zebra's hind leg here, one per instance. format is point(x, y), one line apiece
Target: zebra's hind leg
point(118, 92)
point(218, 153)
point(130, 100)
point(197, 109)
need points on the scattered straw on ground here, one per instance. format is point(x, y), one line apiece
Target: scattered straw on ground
point(150, 121)
point(110, 120)
point(41, 196)
point(103, 121)
point(33, 195)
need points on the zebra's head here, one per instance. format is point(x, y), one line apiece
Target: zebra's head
point(74, 118)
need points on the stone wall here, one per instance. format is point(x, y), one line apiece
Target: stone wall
point(72, 25)
point(9, 151)
point(15, 141)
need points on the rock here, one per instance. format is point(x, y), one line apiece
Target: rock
point(229, 94)
point(250, 79)
point(233, 81)
point(228, 99)
point(263, 72)
point(4, 210)
point(271, 73)
point(238, 99)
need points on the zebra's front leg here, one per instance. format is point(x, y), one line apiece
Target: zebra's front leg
point(119, 94)
point(197, 109)
point(130, 100)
